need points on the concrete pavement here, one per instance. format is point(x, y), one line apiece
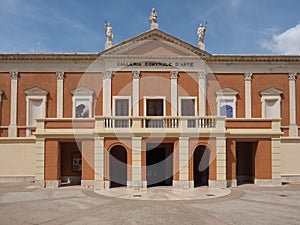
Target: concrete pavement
point(248, 204)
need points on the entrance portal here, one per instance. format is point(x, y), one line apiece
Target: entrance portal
point(118, 166)
point(201, 166)
point(159, 165)
point(71, 163)
point(245, 166)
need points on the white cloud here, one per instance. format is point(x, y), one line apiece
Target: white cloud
point(287, 43)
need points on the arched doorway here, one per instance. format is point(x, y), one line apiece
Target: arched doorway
point(201, 166)
point(118, 166)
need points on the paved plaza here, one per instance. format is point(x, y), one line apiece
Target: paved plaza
point(247, 204)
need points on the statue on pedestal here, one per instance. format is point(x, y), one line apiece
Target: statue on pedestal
point(109, 35)
point(201, 35)
point(153, 19)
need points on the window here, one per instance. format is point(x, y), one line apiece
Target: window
point(36, 99)
point(188, 107)
point(154, 107)
point(82, 102)
point(122, 108)
point(271, 99)
point(226, 102)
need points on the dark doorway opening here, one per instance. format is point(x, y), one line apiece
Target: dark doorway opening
point(118, 166)
point(71, 163)
point(245, 165)
point(159, 161)
point(201, 166)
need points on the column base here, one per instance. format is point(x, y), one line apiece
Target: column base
point(268, 182)
point(217, 183)
point(293, 130)
point(137, 185)
point(52, 183)
point(183, 184)
point(12, 131)
point(87, 183)
point(99, 185)
point(40, 183)
point(232, 183)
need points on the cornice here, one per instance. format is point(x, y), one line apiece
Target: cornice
point(48, 56)
point(253, 58)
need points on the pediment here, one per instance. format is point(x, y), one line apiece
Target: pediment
point(155, 43)
point(271, 91)
point(227, 92)
point(82, 91)
point(36, 91)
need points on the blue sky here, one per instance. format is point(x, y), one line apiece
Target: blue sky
point(234, 26)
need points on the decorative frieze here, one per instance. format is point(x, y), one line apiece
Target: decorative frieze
point(174, 74)
point(248, 76)
point(60, 75)
point(14, 75)
point(292, 76)
point(107, 75)
point(202, 74)
point(136, 74)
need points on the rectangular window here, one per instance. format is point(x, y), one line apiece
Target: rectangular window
point(82, 108)
point(226, 108)
point(188, 107)
point(35, 111)
point(155, 107)
point(122, 109)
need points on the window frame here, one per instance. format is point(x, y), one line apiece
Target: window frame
point(81, 94)
point(188, 98)
point(155, 97)
point(115, 98)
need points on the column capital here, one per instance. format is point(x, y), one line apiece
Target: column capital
point(14, 75)
point(60, 75)
point(107, 75)
point(248, 76)
point(136, 74)
point(174, 74)
point(292, 76)
point(202, 74)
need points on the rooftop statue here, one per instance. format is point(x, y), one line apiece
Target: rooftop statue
point(109, 33)
point(201, 33)
point(153, 19)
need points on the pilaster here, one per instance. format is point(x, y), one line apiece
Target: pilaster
point(174, 95)
point(40, 162)
point(202, 83)
point(107, 93)
point(137, 182)
point(99, 163)
point(184, 163)
point(60, 94)
point(293, 131)
point(248, 95)
point(12, 129)
point(136, 92)
point(276, 163)
point(221, 163)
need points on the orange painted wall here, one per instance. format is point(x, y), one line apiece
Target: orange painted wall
point(52, 160)
point(261, 82)
point(231, 159)
point(155, 84)
point(88, 160)
point(109, 143)
point(263, 160)
point(219, 81)
point(5, 104)
point(211, 144)
point(91, 81)
point(46, 81)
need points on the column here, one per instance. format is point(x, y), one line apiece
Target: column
point(276, 164)
point(40, 162)
point(293, 131)
point(136, 93)
point(99, 183)
point(248, 95)
point(107, 93)
point(202, 79)
point(174, 95)
point(184, 164)
point(60, 94)
point(221, 163)
point(137, 182)
point(12, 129)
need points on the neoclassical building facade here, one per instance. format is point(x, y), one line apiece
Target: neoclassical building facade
point(152, 110)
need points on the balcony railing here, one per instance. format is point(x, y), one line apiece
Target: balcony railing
point(159, 122)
